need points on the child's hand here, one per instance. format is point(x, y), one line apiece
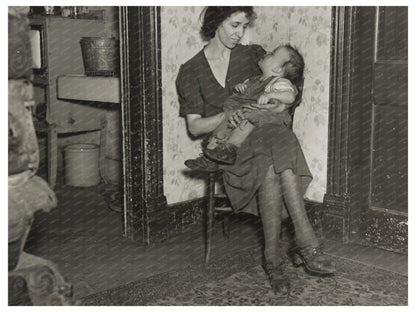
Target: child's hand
point(272, 105)
point(240, 87)
point(262, 100)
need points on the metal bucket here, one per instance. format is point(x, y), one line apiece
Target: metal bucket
point(82, 165)
point(100, 56)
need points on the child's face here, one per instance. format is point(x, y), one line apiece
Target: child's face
point(272, 63)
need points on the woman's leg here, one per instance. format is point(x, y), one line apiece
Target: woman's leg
point(293, 196)
point(271, 206)
point(308, 245)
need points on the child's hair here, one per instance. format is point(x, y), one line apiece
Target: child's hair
point(294, 67)
point(294, 72)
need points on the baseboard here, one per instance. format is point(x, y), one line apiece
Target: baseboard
point(185, 216)
point(315, 211)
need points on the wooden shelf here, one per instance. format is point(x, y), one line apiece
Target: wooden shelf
point(86, 88)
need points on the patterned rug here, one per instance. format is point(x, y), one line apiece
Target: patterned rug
point(236, 284)
point(252, 289)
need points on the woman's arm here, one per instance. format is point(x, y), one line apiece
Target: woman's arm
point(198, 125)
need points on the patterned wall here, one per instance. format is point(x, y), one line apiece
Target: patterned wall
point(307, 28)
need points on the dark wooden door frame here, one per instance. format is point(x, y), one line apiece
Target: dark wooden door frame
point(145, 208)
point(342, 215)
point(337, 198)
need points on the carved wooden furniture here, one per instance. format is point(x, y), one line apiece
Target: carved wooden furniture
point(31, 280)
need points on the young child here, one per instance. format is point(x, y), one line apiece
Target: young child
point(262, 100)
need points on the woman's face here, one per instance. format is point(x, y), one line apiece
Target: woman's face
point(232, 29)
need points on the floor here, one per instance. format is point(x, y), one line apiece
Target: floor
point(85, 238)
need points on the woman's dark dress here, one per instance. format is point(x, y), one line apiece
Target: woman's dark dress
point(200, 93)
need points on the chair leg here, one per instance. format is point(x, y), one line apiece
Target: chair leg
point(209, 225)
point(226, 226)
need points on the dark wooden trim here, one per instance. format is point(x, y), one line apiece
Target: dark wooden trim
point(340, 102)
point(361, 114)
point(336, 200)
point(186, 216)
point(335, 218)
point(145, 203)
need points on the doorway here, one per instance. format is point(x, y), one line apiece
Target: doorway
point(366, 200)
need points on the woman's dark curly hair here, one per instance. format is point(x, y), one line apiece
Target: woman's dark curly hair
point(214, 16)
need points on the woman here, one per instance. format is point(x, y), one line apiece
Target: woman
point(203, 84)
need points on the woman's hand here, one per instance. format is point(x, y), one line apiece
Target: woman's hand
point(236, 118)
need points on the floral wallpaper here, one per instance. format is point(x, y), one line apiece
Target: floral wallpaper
point(307, 28)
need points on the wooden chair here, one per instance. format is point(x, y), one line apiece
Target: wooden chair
point(212, 211)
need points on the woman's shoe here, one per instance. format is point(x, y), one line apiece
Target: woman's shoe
point(278, 280)
point(314, 260)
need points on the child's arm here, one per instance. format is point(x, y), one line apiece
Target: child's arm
point(278, 97)
point(261, 117)
point(241, 87)
point(280, 89)
point(285, 96)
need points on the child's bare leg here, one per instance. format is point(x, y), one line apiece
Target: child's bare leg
point(225, 150)
point(219, 134)
point(240, 133)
